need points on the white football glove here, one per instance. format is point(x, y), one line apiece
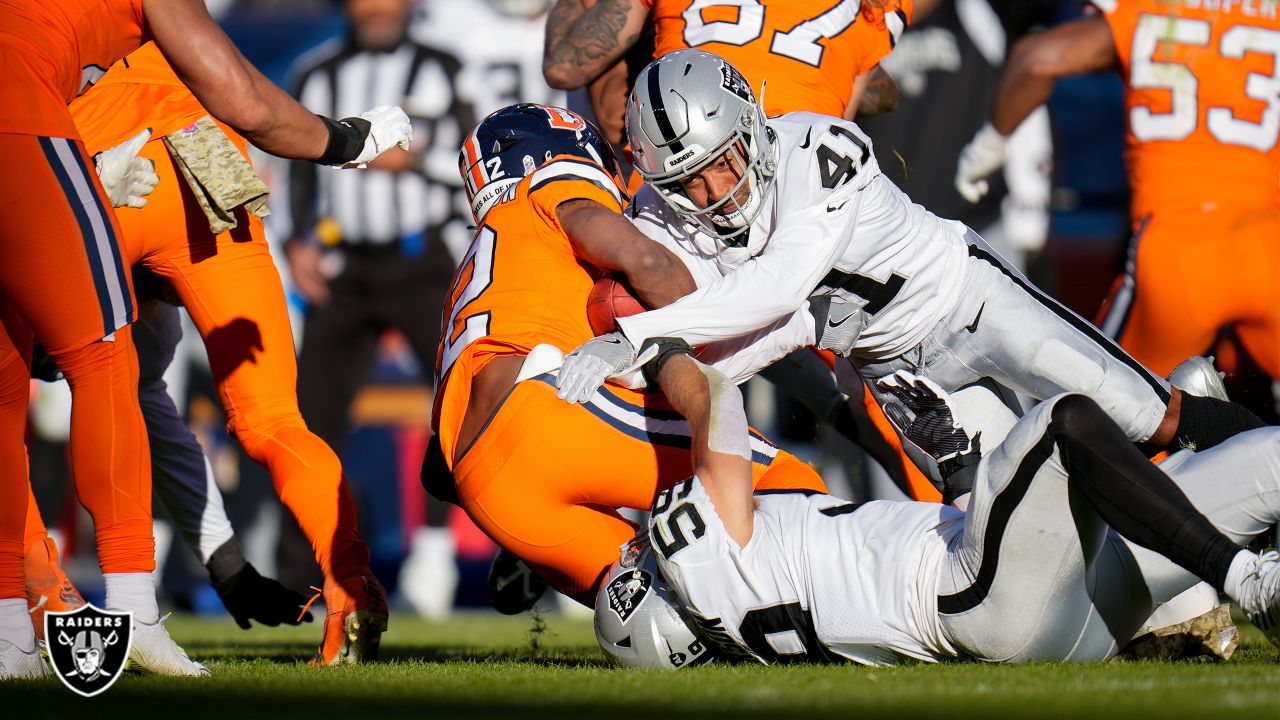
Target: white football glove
point(127, 178)
point(837, 323)
point(586, 368)
point(982, 156)
point(922, 412)
point(388, 127)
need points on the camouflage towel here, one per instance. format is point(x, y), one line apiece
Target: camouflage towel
point(219, 176)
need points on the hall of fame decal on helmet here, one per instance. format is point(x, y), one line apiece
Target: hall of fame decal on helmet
point(88, 647)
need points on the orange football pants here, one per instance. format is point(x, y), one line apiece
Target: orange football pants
point(544, 478)
point(1192, 273)
point(231, 287)
point(63, 283)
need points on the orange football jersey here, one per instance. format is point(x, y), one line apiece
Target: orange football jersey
point(140, 91)
point(810, 52)
point(66, 45)
point(519, 285)
point(1203, 100)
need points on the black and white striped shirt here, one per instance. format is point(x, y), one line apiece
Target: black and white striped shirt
point(340, 80)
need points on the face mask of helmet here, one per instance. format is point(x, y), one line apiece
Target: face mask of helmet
point(690, 109)
point(640, 622)
point(729, 215)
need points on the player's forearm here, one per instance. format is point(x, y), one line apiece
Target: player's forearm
point(1036, 63)
point(1023, 87)
point(721, 445)
point(228, 86)
point(879, 93)
point(609, 241)
point(586, 37)
point(742, 358)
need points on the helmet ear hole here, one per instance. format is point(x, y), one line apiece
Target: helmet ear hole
point(624, 642)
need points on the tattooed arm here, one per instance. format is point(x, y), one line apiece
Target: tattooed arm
point(874, 92)
point(586, 37)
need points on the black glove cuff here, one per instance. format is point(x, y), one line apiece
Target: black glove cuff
point(346, 140)
point(226, 563)
point(958, 472)
point(668, 347)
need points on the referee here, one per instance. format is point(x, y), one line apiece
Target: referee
point(364, 249)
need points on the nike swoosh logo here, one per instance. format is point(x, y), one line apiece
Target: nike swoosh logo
point(804, 145)
point(833, 208)
point(842, 321)
point(973, 326)
point(614, 341)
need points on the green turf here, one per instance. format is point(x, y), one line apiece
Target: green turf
point(484, 665)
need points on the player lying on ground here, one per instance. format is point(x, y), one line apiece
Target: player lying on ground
point(525, 466)
point(796, 205)
point(1071, 538)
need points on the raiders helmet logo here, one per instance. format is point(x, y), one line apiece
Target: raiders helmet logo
point(627, 591)
point(88, 647)
point(735, 83)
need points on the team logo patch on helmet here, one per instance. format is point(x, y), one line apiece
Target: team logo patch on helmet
point(735, 83)
point(88, 647)
point(627, 591)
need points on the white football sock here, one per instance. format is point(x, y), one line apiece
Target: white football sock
point(135, 592)
point(15, 623)
point(1241, 566)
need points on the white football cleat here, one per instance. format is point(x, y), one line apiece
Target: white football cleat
point(19, 664)
point(1198, 376)
point(153, 651)
point(1260, 595)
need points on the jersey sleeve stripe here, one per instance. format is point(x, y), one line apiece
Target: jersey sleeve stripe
point(575, 170)
point(896, 21)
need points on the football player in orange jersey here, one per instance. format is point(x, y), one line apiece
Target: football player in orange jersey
point(62, 279)
point(231, 287)
point(1203, 99)
point(820, 57)
point(541, 477)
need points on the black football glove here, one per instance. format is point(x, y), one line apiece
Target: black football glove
point(248, 595)
point(922, 412)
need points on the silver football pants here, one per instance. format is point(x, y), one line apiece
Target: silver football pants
point(1038, 576)
point(1006, 329)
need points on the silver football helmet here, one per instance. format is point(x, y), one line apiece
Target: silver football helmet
point(1198, 376)
point(640, 622)
point(688, 109)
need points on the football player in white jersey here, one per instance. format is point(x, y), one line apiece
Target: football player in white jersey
point(1071, 539)
point(796, 206)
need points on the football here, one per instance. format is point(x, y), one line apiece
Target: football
point(609, 300)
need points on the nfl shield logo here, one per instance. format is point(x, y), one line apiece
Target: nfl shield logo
point(88, 647)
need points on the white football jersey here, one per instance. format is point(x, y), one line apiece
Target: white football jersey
point(821, 580)
point(833, 224)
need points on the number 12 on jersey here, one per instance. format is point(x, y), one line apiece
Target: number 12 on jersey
point(475, 275)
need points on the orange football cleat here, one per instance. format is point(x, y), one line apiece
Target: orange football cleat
point(47, 585)
point(354, 622)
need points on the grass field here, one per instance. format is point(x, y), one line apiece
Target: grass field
point(486, 665)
